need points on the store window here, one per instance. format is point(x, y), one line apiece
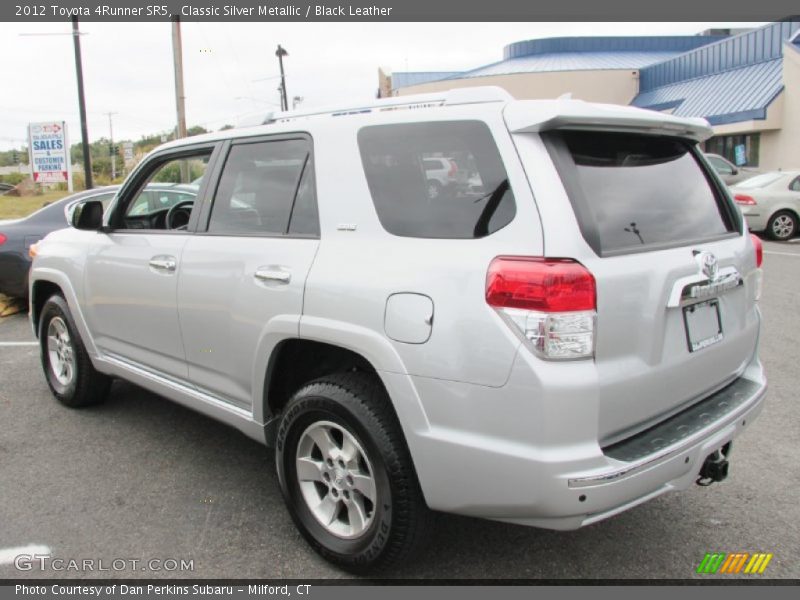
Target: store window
point(741, 150)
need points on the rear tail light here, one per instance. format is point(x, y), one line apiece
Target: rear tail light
point(453, 169)
point(2, 239)
point(744, 200)
point(759, 248)
point(552, 301)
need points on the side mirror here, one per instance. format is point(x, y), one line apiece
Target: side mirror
point(734, 170)
point(88, 216)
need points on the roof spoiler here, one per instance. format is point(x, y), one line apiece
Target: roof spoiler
point(531, 116)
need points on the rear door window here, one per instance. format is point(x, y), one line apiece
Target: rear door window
point(436, 180)
point(632, 192)
point(259, 185)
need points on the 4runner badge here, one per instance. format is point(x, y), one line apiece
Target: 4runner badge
point(708, 264)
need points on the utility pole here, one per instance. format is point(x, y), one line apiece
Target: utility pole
point(180, 98)
point(280, 53)
point(112, 150)
point(87, 159)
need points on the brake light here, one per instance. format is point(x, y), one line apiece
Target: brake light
point(543, 284)
point(551, 301)
point(453, 169)
point(759, 248)
point(744, 199)
point(2, 239)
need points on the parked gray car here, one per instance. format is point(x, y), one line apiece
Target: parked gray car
point(770, 203)
point(729, 172)
point(578, 338)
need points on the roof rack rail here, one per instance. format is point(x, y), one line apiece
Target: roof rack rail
point(453, 97)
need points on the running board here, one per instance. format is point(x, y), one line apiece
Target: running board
point(185, 395)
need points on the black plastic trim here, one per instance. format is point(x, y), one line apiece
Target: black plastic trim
point(684, 424)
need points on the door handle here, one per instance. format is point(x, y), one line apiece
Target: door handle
point(163, 263)
point(275, 275)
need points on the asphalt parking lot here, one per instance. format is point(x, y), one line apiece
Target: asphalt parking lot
point(140, 477)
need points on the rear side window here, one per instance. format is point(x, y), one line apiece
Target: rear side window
point(436, 180)
point(632, 192)
point(258, 188)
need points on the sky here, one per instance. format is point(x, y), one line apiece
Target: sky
point(230, 69)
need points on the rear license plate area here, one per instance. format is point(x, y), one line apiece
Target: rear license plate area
point(703, 324)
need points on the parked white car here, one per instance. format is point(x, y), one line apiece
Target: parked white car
point(575, 336)
point(770, 203)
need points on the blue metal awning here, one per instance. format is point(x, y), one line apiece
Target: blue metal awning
point(732, 96)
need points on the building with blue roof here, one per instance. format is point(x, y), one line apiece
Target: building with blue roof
point(746, 85)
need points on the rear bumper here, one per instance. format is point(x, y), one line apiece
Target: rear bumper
point(495, 453)
point(14, 275)
point(679, 446)
point(756, 218)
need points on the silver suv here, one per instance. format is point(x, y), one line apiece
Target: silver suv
point(572, 340)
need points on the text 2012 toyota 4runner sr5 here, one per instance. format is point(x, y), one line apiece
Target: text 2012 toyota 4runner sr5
point(577, 330)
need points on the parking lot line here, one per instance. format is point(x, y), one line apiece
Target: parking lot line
point(19, 343)
point(782, 253)
point(8, 555)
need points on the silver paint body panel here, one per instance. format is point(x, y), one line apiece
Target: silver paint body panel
point(471, 392)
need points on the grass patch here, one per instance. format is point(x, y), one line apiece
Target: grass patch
point(12, 207)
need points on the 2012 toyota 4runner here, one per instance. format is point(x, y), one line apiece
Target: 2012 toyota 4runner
point(569, 336)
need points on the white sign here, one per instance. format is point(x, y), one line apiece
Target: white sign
point(49, 152)
point(127, 151)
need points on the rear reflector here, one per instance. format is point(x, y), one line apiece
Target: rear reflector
point(744, 199)
point(550, 300)
point(542, 284)
point(759, 248)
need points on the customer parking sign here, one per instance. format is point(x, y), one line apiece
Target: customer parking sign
point(49, 152)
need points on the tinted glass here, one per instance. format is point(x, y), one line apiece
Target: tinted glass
point(795, 187)
point(639, 190)
point(436, 180)
point(304, 220)
point(258, 186)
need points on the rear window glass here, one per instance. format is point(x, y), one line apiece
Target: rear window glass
point(436, 180)
point(633, 191)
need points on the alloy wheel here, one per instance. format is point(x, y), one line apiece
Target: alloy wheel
point(336, 479)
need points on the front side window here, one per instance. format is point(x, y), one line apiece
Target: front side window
point(436, 180)
point(167, 198)
point(258, 187)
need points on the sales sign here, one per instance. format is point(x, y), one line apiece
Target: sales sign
point(49, 152)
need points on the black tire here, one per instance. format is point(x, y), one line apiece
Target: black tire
point(400, 519)
point(782, 225)
point(86, 386)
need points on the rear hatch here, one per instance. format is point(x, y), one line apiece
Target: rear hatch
point(641, 210)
